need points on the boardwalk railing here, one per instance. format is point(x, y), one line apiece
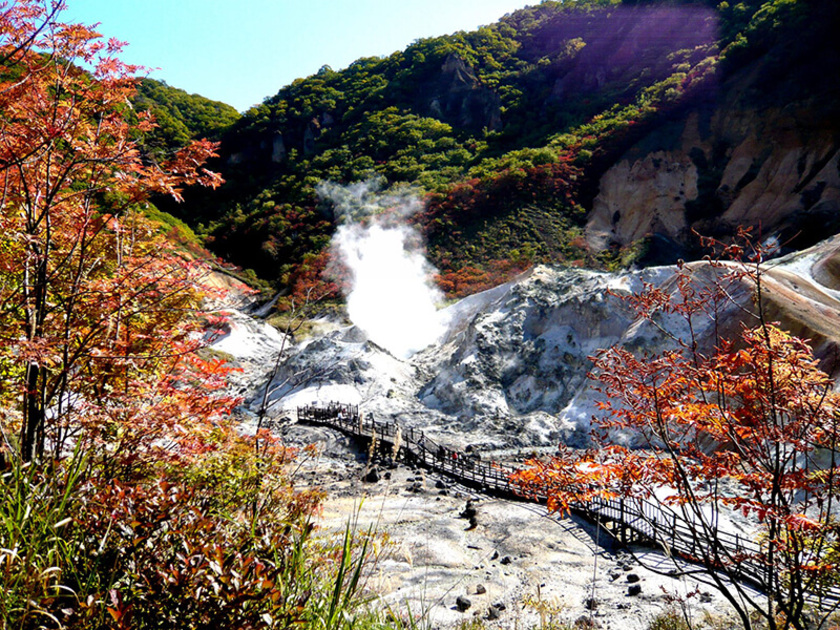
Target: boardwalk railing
point(628, 520)
point(415, 447)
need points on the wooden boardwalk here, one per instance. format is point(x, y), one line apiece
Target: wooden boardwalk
point(627, 520)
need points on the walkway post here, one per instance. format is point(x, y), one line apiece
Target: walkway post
point(622, 520)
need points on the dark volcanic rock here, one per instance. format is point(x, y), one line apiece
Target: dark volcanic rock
point(462, 603)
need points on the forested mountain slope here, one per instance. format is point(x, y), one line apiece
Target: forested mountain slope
point(180, 116)
point(588, 132)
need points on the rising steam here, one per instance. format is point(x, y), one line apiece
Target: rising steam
point(392, 297)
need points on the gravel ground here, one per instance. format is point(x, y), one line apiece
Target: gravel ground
point(510, 561)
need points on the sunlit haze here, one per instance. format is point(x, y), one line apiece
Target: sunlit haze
point(242, 51)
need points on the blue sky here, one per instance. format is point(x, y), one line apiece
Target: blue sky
point(241, 51)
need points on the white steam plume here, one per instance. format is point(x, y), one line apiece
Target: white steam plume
point(392, 297)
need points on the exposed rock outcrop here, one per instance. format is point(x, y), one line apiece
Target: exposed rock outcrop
point(511, 372)
point(772, 167)
point(459, 98)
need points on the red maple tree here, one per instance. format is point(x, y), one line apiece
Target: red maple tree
point(748, 424)
point(98, 310)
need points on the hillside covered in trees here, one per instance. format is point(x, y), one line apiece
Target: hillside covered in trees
point(180, 116)
point(509, 130)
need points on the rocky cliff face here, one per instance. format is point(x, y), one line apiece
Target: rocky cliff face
point(511, 371)
point(747, 161)
point(456, 96)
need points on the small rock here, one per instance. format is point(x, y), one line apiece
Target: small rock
point(469, 511)
point(590, 603)
point(462, 603)
point(493, 612)
point(495, 555)
point(505, 560)
point(372, 475)
point(632, 578)
point(387, 475)
point(480, 589)
point(586, 623)
point(439, 484)
point(634, 589)
point(705, 598)
point(500, 606)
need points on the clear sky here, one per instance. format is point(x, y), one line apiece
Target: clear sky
point(241, 51)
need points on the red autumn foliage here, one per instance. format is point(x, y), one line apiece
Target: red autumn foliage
point(748, 424)
point(472, 199)
point(100, 313)
point(319, 277)
point(468, 280)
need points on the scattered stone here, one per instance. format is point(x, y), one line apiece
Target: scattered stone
point(493, 612)
point(439, 484)
point(624, 606)
point(506, 560)
point(632, 578)
point(480, 589)
point(705, 598)
point(372, 475)
point(500, 606)
point(634, 589)
point(590, 603)
point(586, 623)
point(387, 475)
point(462, 603)
point(470, 513)
point(495, 555)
